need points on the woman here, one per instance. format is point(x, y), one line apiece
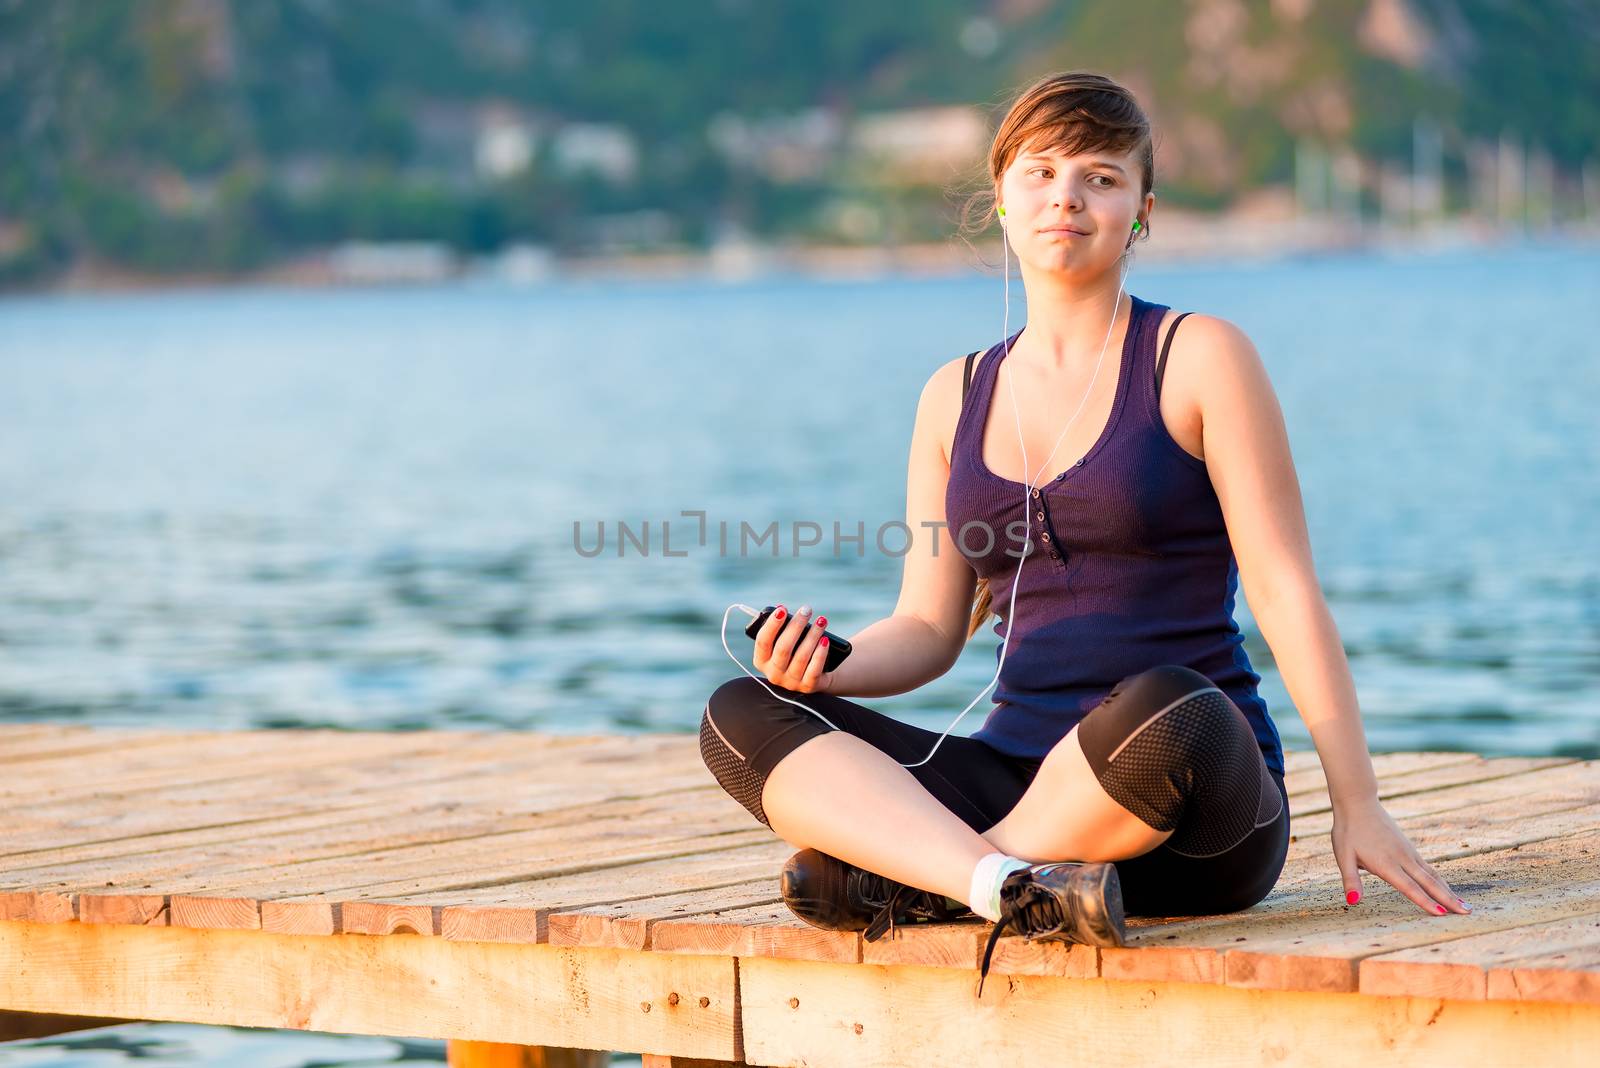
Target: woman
point(1127, 738)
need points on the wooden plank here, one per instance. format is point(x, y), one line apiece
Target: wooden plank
point(761, 930)
point(1460, 968)
point(17, 1026)
point(1311, 883)
point(1297, 759)
point(810, 1013)
point(580, 997)
point(281, 904)
point(388, 766)
point(200, 768)
point(629, 924)
point(1460, 832)
point(522, 912)
point(1569, 976)
point(405, 784)
point(223, 904)
point(355, 856)
point(464, 1054)
point(1426, 791)
point(17, 735)
point(1388, 767)
point(12, 730)
point(317, 833)
point(1306, 938)
point(154, 760)
point(26, 759)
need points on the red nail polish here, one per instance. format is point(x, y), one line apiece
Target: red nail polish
point(823, 643)
point(1440, 909)
point(822, 621)
point(1352, 897)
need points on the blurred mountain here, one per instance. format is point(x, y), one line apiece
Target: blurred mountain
point(228, 135)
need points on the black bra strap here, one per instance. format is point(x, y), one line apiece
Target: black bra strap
point(966, 377)
point(1161, 363)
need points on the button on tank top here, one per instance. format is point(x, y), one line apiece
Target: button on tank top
point(1129, 566)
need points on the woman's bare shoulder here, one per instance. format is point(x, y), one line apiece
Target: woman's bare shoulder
point(942, 397)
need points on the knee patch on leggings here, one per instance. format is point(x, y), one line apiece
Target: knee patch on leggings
point(741, 782)
point(1166, 736)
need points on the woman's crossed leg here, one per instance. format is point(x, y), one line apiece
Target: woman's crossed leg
point(1163, 777)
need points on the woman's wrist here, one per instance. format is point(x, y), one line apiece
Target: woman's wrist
point(1355, 801)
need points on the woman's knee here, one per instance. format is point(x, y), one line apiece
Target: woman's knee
point(1157, 735)
point(741, 712)
point(725, 740)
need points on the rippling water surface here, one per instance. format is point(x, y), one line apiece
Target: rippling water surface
point(356, 508)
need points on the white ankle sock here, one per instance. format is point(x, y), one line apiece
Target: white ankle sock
point(991, 871)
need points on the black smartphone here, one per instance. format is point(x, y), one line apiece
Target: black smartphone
point(838, 648)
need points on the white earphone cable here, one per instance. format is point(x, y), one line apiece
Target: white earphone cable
point(1027, 490)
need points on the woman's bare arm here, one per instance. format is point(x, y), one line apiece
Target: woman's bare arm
point(924, 636)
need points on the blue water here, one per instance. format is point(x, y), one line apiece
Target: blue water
point(355, 508)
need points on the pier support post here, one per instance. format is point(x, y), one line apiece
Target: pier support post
point(462, 1053)
point(16, 1026)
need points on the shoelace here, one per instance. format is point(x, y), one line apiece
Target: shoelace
point(897, 898)
point(1032, 912)
point(884, 919)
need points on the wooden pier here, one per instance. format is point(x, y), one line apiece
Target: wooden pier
point(532, 897)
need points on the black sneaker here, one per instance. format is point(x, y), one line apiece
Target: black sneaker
point(828, 893)
point(1067, 901)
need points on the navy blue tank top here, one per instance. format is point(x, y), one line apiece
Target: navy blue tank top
point(1130, 565)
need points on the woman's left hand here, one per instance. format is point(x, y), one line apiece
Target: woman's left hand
point(1365, 836)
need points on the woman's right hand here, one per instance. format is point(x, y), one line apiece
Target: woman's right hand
point(791, 653)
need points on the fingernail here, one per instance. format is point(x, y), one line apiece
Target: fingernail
point(1464, 905)
point(1440, 909)
point(805, 610)
point(823, 643)
point(822, 621)
point(1352, 897)
point(779, 614)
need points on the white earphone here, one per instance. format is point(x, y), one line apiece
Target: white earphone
point(1028, 488)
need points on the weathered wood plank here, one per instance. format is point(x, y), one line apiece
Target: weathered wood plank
point(629, 924)
point(761, 930)
point(479, 860)
point(566, 996)
point(391, 766)
point(1300, 939)
point(399, 787)
point(1460, 968)
point(464, 1054)
point(1476, 770)
point(1460, 785)
point(24, 758)
point(1568, 975)
point(808, 1013)
point(1192, 949)
point(1389, 767)
point(17, 1026)
point(516, 913)
point(330, 859)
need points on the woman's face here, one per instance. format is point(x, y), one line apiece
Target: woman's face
point(1071, 214)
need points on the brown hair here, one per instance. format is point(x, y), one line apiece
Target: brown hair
point(1072, 112)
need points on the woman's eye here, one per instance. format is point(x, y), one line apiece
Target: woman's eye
point(1109, 180)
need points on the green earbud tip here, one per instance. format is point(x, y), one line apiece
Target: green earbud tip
point(1136, 226)
point(1002, 211)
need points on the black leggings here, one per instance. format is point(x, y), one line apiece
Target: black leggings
point(1166, 744)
